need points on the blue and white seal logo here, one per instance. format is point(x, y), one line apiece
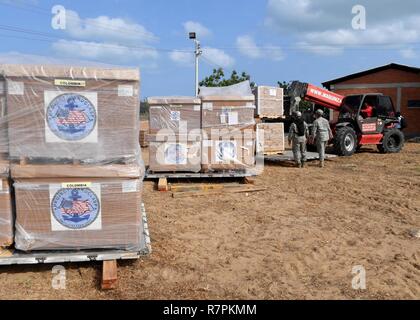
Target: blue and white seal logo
point(71, 117)
point(75, 208)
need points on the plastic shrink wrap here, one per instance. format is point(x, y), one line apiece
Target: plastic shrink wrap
point(175, 153)
point(72, 113)
point(269, 102)
point(270, 138)
point(6, 213)
point(175, 136)
point(179, 114)
point(228, 128)
point(71, 214)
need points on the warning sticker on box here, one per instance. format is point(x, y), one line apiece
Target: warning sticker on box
point(125, 91)
point(15, 88)
point(129, 186)
point(207, 106)
point(233, 118)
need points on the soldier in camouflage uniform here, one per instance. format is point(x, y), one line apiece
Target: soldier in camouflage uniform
point(321, 132)
point(298, 135)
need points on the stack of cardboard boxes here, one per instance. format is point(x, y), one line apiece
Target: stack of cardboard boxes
point(77, 172)
point(269, 113)
point(207, 134)
point(228, 133)
point(175, 138)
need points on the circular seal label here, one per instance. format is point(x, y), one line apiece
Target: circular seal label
point(71, 116)
point(175, 154)
point(226, 151)
point(75, 208)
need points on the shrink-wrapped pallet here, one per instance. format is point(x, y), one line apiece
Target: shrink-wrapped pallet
point(179, 114)
point(269, 102)
point(6, 213)
point(270, 138)
point(73, 214)
point(68, 112)
point(175, 153)
point(220, 112)
point(228, 128)
point(229, 150)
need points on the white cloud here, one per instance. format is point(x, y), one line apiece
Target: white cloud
point(247, 46)
point(104, 38)
point(104, 28)
point(275, 53)
point(14, 57)
point(218, 57)
point(103, 51)
point(317, 15)
point(324, 26)
point(182, 58)
point(193, 26)
point(408, 53)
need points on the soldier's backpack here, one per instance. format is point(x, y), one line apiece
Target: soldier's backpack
point(300, 125)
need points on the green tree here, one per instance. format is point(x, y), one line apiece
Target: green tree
point(283, 84)
point(218, 79)
point(144, 109)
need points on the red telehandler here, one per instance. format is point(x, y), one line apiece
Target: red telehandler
point(354, 128)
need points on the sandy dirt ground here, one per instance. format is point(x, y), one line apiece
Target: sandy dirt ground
point(299, 239)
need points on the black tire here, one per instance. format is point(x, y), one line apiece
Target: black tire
point(345, 142)
point(393, 141)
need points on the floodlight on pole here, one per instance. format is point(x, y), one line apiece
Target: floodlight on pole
point(197, 52)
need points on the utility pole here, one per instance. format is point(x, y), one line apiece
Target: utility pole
point(197, 52)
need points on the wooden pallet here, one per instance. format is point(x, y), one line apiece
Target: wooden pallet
point(48, 161)
point(108, 257)
point(162, 185)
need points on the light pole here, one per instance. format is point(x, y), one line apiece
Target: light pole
point(197, 52)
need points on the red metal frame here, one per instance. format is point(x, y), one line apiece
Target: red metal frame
point(370, 139)
point(324, 97)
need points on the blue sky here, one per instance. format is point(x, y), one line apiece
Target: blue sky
point(307, 40)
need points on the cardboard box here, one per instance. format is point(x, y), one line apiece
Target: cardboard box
point(269, 102)
point(64, 112)
point(175, 153)
point(179, 114)
point(227, 111)
point(72, 214)
point(231, 149)
point(270, 138)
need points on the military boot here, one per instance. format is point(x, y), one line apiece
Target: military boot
point(321, 164)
